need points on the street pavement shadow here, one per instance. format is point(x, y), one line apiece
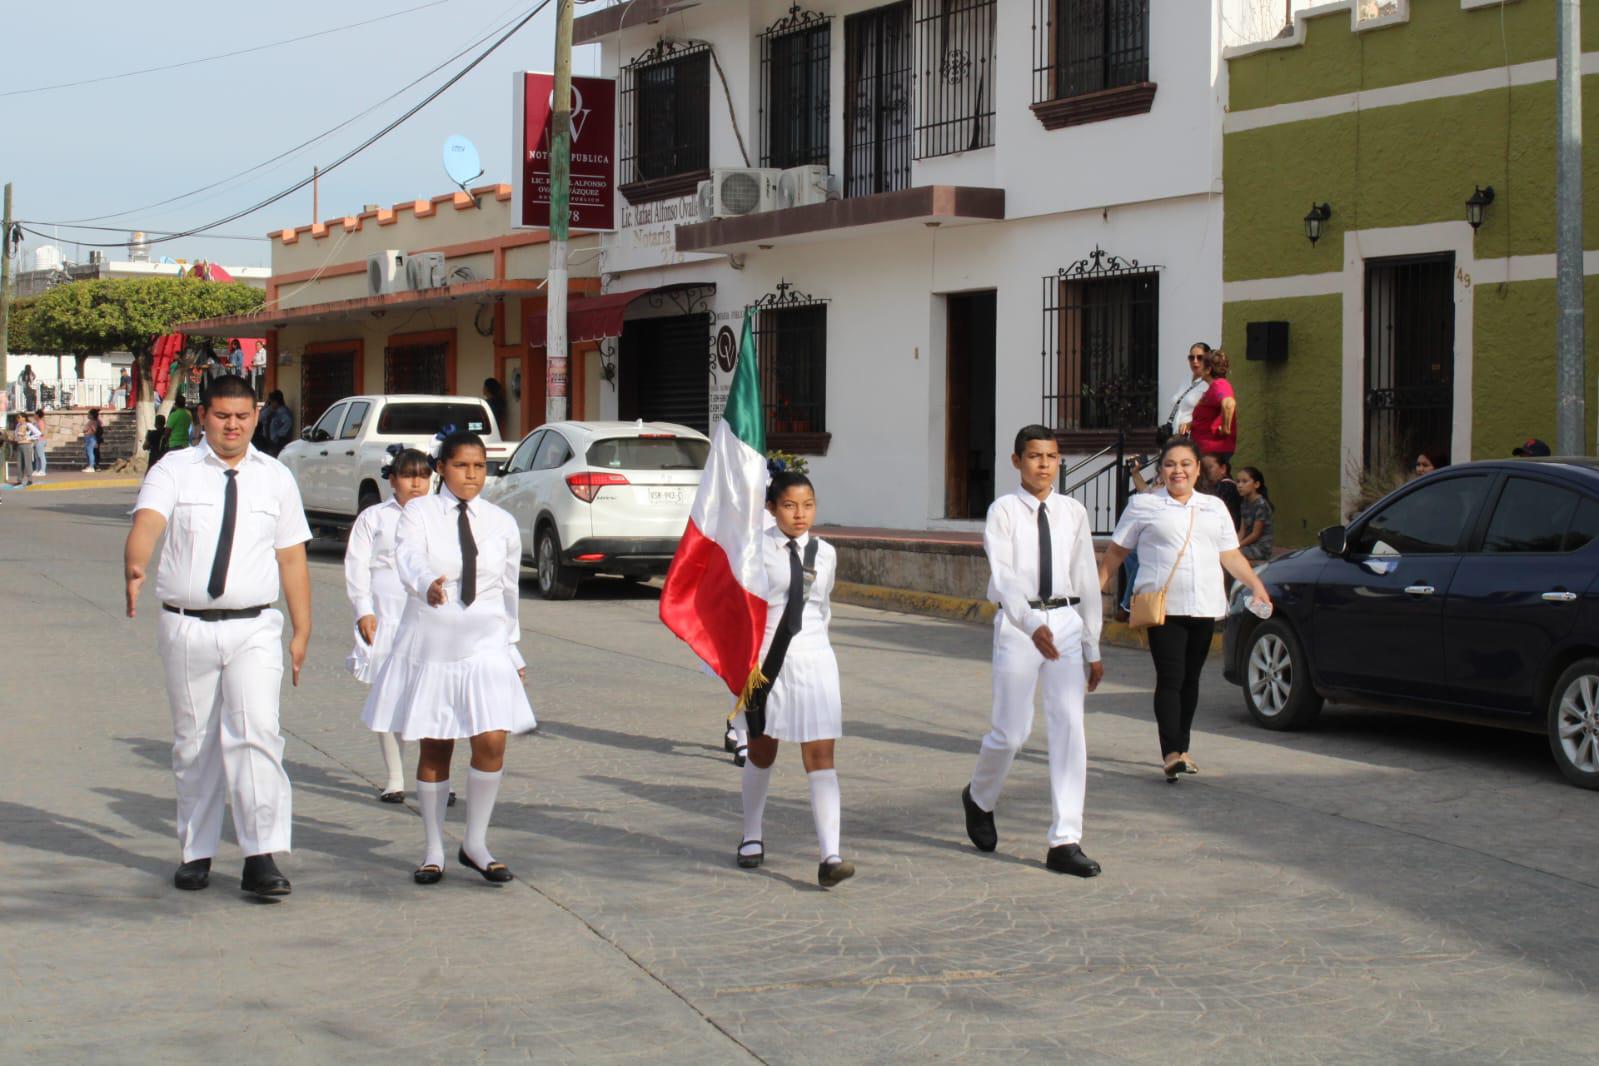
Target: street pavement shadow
point(599, 589)
point(75, 838)
point(931, 638)
point(101, 513)
point(612, 738)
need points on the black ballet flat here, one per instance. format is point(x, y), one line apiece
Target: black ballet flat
point(741, 756)
point(829, 874)
point(392, 797)
point(428, 874)
point(730, 740)
point(497, 872)
point(750, 862)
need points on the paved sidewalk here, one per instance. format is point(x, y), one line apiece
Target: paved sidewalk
point(1379, 890)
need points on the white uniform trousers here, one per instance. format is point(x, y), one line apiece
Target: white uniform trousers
point(1018, 669)
point(223, 680)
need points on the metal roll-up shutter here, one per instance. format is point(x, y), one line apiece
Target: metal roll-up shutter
point(670, 358)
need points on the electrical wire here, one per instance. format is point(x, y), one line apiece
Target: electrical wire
point(221, 55)
point(26, 224)
point(352, 153)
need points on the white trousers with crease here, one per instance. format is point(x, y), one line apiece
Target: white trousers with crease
point(223, 681)
point(1019, 669)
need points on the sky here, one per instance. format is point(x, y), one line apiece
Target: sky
point(95, 149)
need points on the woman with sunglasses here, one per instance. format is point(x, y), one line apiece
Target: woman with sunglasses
point(1184, 400)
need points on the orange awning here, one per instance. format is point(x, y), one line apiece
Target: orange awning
point(588, 318)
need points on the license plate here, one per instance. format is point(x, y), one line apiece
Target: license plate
point(673, 496)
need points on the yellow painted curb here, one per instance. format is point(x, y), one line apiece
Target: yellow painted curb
point(69, 486)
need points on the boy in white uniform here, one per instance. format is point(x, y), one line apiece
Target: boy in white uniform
point(1041, 557)
point(236, 530)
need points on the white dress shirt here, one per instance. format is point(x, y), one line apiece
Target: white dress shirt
point(428, 546)
point(369, 558)
point(1155, 525)
point(1184, 400)
point(1010, 539)
point(818, 610)
point(187, 488)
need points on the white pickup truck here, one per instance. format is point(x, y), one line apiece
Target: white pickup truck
point(337, 461)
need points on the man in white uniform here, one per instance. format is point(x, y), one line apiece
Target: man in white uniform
point(1041, 557)
point(235, 531)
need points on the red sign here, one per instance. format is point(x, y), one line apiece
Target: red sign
point(593, 189)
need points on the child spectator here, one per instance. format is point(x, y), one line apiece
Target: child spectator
point(1255, 521)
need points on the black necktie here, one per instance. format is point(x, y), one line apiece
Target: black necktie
point(468, 557)
point(1046, 555)
point(230, 518)
point(794, 610)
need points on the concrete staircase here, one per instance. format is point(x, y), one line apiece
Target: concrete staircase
point(64, 437)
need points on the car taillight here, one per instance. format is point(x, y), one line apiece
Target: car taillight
point(587, 484)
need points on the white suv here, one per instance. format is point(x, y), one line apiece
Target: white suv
point(600, 497)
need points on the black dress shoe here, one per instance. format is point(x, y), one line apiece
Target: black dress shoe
point(741, 755)
point(979, 823)
point(829, 874)
point(428, 874)
point(262, 877)
point(392, 797)
point(753, 859)
point(1069, 859)
point(730, 740)
point(496, 872)
point(193, 875)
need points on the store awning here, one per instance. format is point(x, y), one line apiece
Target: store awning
point(588, 318)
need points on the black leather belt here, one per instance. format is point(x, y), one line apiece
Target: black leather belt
point(218, 614)
point(1055, 601)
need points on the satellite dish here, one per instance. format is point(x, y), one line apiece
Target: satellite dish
point(461, 160)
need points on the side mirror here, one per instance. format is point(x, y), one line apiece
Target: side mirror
point(306, 433)
point(1333, 540)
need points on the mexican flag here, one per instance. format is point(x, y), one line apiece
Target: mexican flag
point(712, 597)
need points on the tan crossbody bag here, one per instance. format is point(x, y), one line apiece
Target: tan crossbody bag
point(1149, 608)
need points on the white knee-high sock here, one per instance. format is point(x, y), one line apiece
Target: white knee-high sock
point(481, 791)
point(756, 782)
point(433, 797)
point(824, 809)
point(741, 737)
point(390, 743)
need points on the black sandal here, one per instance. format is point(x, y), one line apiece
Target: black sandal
point(496, 872)
point(392, 797)
point(428, 874)
point(750, 862)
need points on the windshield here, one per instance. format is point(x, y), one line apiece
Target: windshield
point(426, 419)
point(648, 453)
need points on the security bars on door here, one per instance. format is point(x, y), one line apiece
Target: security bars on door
point(1101, 341)
point(666, 111)
point(877, 116)
point(791, 337)
point(796, 52)
point(1083, 46)
point(955, 65)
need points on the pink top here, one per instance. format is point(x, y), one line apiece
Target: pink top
point(1207, 421)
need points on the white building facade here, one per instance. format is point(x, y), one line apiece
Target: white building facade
point(1024, 226)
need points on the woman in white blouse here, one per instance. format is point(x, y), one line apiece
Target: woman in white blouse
point(1184, 540)
point(373, 586)
point(454, 671)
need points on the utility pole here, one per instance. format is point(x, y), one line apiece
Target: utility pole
point(1571, 391)
point(5, 284)
point(316, 215)
point(555, 363)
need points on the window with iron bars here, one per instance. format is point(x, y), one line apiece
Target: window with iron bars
point(877, 116)
point(666, 114)
point(955, 65)
point(1082, 51)
point(796, 53)
point(791, 337)
point(1101, 342)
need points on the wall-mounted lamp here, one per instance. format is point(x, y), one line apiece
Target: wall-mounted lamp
point(1477, 206)
point(1318, 214)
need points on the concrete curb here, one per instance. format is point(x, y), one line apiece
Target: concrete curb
point(961, 609)
point(68, 486)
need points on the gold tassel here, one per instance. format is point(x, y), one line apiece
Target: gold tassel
point(756, 680)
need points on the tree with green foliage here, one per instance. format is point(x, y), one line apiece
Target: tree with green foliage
point(87, 318)
point(19, 328)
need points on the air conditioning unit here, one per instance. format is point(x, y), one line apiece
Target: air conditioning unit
point(385, 272)
point(799, 186)
point(705, 201)
point(743, 191)
point(425, 270)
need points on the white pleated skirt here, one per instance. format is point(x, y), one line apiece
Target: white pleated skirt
point(365, 660)
point(805, 703)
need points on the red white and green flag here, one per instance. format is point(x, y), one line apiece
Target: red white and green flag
point(712, 598)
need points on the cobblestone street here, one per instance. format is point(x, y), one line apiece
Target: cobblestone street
point(1379, 889)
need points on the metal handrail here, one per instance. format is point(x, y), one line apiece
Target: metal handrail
point(1069, 471)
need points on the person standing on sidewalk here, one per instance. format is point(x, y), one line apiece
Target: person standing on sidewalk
point(93, 432)
point(236, 536)
point(1041, 556)
point(28, 438)
point(41, 462)
point(1184, 540)
point(179, 424)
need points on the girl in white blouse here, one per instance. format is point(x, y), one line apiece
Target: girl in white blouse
point(1184, 540)
point(803, 704)
point(454, 671)
point(375, 592)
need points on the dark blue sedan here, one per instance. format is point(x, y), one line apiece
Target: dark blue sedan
point(1469, 593)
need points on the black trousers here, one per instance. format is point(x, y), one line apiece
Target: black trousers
point(1179, 649)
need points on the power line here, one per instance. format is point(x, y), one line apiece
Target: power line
point(222, 55)
point(29, 227)
point(352, 153)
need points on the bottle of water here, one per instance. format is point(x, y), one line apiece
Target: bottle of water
point(1258, 609)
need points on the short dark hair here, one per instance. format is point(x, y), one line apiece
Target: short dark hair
point(1173, 443)
point(1032, 432)
point(1204, 349)
point(784, 480)
point(276, 396)
point(453, 443)
point(1221, 460)
point(407, 463)
point(227, 387)
point(177, 401)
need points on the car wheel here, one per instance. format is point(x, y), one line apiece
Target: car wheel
point(1574, 723)
point(1277, 688)
point(556, 582)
